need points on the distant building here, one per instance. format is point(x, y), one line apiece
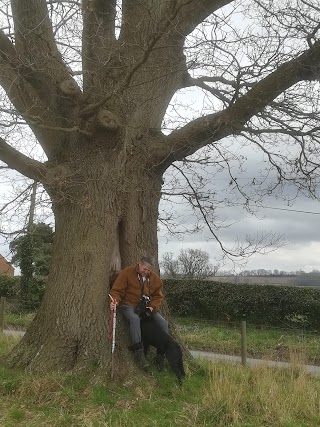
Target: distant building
point(6, 268)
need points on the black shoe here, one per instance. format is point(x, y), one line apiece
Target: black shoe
point(141, 359)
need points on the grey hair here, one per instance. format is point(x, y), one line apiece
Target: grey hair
point(147, 260)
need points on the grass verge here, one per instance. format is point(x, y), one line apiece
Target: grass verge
point(218, 395)
point(268, 343)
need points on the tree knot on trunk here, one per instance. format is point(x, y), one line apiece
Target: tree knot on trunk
point(108, 120)
point(69, 87)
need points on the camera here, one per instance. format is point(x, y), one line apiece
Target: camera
point(142, 308)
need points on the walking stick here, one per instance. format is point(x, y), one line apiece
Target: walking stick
point(112, 335)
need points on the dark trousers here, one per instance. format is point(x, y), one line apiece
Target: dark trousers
point(134, 322)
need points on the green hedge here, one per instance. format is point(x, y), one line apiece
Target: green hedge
point(258, 304)
point(11, 289)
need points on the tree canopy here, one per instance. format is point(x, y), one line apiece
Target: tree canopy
point(262, 91)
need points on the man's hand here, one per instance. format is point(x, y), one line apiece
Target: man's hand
point(113, 303)
point(150, 308)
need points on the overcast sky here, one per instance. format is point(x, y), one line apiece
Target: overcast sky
point(301, 231)
point(297, 221)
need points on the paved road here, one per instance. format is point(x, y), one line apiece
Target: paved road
point(314, 370)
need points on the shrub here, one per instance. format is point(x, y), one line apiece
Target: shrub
point(258, 304)
point(9, 286)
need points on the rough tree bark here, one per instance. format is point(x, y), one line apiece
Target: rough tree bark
point(106, 153)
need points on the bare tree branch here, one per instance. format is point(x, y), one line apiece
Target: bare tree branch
point(36, 80)
point(98, 38)
point(40, 62)
point(215, 79)
point(128, 77)
point(19, 91)
point(33, 32)
point(199, 10)
point(210, 128)
point(21, 163)
point(155, 33)
point(13, 201)
point(311, 36)
point(259, 244)
point(7, 49)
point(311, 5)
point(288, 131)
point(140, 19)
point(200, 83)
point(50, 2)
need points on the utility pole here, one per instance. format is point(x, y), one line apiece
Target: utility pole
point(27, 255)
point(32, 206)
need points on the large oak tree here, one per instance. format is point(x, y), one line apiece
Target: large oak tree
point(93, 81)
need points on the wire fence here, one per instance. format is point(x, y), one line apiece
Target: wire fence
point(296, 345)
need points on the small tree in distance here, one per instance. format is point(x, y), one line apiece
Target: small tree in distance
point(42, 241)
point(195, 264)
point(169, 265)
point(32, 253)
point(191, 264)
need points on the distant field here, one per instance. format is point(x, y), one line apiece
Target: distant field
point(304, 280)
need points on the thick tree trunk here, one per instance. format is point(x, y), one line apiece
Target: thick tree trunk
point(94, 222)
point(102, 143)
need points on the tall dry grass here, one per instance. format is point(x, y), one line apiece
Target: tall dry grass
point(218, 395)
point(266, 396)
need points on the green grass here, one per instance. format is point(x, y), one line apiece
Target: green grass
point(275, 344)
point(22, 320)
point(7, 342)
point(218, 395)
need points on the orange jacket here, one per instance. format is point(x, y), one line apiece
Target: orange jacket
point(127, 289)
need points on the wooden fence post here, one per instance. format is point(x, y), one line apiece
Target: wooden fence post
point(244, 342)
point(2, 305)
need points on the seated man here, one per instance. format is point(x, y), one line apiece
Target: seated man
point(134, 284)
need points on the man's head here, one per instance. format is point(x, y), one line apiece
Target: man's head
point(145, 265)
